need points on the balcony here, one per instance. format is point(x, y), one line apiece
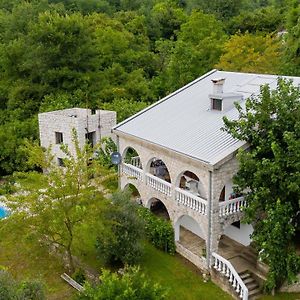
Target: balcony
point(232, 206)
point(132, 171)
point(158, 184)
point(190, 200)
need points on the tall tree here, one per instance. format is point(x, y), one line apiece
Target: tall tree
point(251, 53)
point(56, 205)
point(270, 172)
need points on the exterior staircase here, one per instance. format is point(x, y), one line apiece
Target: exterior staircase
point(254, 291)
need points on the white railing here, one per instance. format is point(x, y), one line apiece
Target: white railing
point(136, 161)
point(158, 184)
point(223, 266)
point(190, 200)
point(231, 206)
point(132, 171)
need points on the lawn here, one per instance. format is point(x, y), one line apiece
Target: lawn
point(183, 281)
point(26, 261)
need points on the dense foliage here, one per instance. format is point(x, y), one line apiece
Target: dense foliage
point(10, 289)
point(131, 285)
point(158, 231)
point(270, 172)
point(123, 245)
point(123, 55)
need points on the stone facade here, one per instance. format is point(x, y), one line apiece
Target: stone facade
point(56, 127)
point(212, 179)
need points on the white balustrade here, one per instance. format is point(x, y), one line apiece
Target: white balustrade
point(190, 200)
point(223, 266)
point(132, 171)
point(231, 206)
point(136, 161)
point(158, 184)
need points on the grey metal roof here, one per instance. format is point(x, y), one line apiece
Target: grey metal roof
point(183, 121)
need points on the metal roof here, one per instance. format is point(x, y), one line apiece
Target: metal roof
point(184, 122)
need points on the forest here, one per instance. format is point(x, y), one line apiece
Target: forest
point(123, 55)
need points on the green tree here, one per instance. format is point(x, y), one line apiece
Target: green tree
point(292, 40)
point(270, 171)
point(56, 205)
point(124, 244)
point(197, 49)
point(132, 285)
point(251, 53)
point(10, 289)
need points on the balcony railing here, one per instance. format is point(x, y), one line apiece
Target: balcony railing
point(223, 266)
point(231, 206)
point(190, 200)
point(132, 171)
point(158, 184)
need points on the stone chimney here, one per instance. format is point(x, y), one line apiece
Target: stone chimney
point(218, 85)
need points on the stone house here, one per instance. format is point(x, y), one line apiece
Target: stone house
point(181, 165)
point(56, 128)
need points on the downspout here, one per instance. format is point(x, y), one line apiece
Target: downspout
point(119, 165)
point(209, 206)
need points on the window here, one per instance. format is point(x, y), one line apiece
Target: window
point(60, 162)
point(90, 137)
point(59, 138)
point(216, 104)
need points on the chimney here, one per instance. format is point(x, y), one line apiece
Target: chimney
point(218, 85)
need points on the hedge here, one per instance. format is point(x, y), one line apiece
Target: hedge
point(159, 231)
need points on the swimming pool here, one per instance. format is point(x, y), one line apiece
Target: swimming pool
point(3, 212)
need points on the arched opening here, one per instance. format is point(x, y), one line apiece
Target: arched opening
point(228, 193)
point(190, 235)
point(135, 194)
point(131, 157)
point(158, 208)
point(159, 169)
point(191, 183)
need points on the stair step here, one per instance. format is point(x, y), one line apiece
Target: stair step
point(245, 275)
point(254, 292)
point(248, 280)
point(252, 286)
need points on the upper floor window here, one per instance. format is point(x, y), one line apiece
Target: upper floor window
point(91, 137)
point(59, 138)
point(216, 104)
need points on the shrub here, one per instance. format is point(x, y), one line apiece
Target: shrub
point(159, 232)
point(123, 243)
point(132, 285)
point(31, 290)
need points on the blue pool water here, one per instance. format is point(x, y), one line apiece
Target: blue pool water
point(3, 212)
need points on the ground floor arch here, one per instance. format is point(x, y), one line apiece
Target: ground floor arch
point(190, 234)
point(158, 208)
point(133, 190)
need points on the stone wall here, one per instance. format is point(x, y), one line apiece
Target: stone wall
point(82, 120)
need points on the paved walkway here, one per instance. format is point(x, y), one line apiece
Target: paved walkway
point(191, 241)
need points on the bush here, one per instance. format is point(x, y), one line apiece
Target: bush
point(79, 276)
point(123, 243)
point(159, 232)
point(12, 290)
point(132, 285)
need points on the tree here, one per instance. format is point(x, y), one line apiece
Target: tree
point(10, 289)
point(195, 52)
point(132, 285)
point(124, 244)
point(270, 172)
point(251, 53)
point(292, 45)
point(56, 205)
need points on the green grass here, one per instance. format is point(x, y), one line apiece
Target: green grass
point(26, 261)
point(183, 281)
